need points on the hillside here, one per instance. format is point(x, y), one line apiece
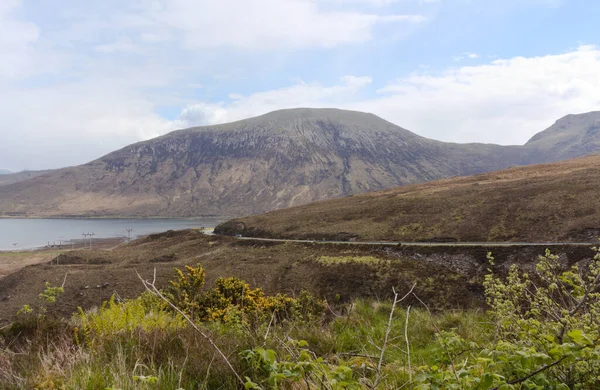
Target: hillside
point(551, 202)
point(282, 159)
point(10, 178)
point(571, 136)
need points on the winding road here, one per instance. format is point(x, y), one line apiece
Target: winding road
point(449, 244)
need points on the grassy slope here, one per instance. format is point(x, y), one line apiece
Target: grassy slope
point(550, 202)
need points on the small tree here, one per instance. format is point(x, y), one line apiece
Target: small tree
point(547, 333)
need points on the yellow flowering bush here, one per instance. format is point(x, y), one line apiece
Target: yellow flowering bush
point(232, 300)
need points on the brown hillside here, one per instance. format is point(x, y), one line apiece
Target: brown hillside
point(551, 202)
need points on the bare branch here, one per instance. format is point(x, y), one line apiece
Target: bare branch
point(64, 281)
point(387, 332)
point(269, 327)
point(407, 344)
point(523, 379)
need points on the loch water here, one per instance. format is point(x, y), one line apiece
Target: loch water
point(19, 234)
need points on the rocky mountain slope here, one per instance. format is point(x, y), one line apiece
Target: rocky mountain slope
point(571, 136)
point(555, 202)
point(281, 159)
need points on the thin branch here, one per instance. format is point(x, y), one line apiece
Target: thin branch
point(407, 345)
point(387, 332)
point(358, 355)
point(64, 280)
point(523, 379)
point(269, 328)
point(593, 288)
point(151, 287)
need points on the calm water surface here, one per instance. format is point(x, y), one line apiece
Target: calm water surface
point(16, 234)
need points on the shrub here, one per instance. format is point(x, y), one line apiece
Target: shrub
point(232, 300)
point(546, 333)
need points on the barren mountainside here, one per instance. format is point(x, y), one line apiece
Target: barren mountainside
point(278, 160)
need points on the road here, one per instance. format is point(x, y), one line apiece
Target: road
point(449, 244)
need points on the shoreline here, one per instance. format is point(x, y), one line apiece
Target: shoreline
point(83, 217)
point(15, 260)
point(72, 244)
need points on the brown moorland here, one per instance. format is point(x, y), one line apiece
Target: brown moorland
point(446, 277)
point(556, 202)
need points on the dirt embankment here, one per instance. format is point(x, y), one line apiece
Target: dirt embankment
point(446, 277)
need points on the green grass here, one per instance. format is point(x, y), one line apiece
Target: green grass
point(156, 355)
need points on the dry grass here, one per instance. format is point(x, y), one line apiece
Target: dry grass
point(550, 202)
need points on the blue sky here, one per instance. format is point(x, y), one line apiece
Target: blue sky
point(80, 79)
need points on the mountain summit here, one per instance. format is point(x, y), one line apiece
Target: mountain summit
point(571, 136)
point(281, 159)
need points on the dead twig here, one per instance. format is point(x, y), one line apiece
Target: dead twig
point(407, 345)
point(387, 332)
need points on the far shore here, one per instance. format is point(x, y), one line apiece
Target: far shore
point(193, 218)
point(12, 261)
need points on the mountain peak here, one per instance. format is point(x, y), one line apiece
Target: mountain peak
point(569, 127)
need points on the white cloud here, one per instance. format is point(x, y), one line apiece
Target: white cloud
point(466, 55)
point(299, 95)
point(16, 40)
point(505, 101)
point(95, 77)
point(267, 24)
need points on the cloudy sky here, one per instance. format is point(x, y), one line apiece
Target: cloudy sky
point(79, 79)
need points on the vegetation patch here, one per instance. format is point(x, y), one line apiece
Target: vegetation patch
point(369, 260)
point(540, 332)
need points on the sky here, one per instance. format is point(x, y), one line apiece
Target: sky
point(79, 79)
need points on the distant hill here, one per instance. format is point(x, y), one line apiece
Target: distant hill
point(278, 160)
point(11, 178)
point(4, 172)
point(550, 202)
point(571, 136)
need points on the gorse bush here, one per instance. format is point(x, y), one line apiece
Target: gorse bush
point(232, 300)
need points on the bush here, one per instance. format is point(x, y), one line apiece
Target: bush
point(547, 333)
point(232, 300)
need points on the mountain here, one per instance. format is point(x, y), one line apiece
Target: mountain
point(555, 202)
point(571, 136)
point(4, 172)
point(10, 178)
point(278, 160)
